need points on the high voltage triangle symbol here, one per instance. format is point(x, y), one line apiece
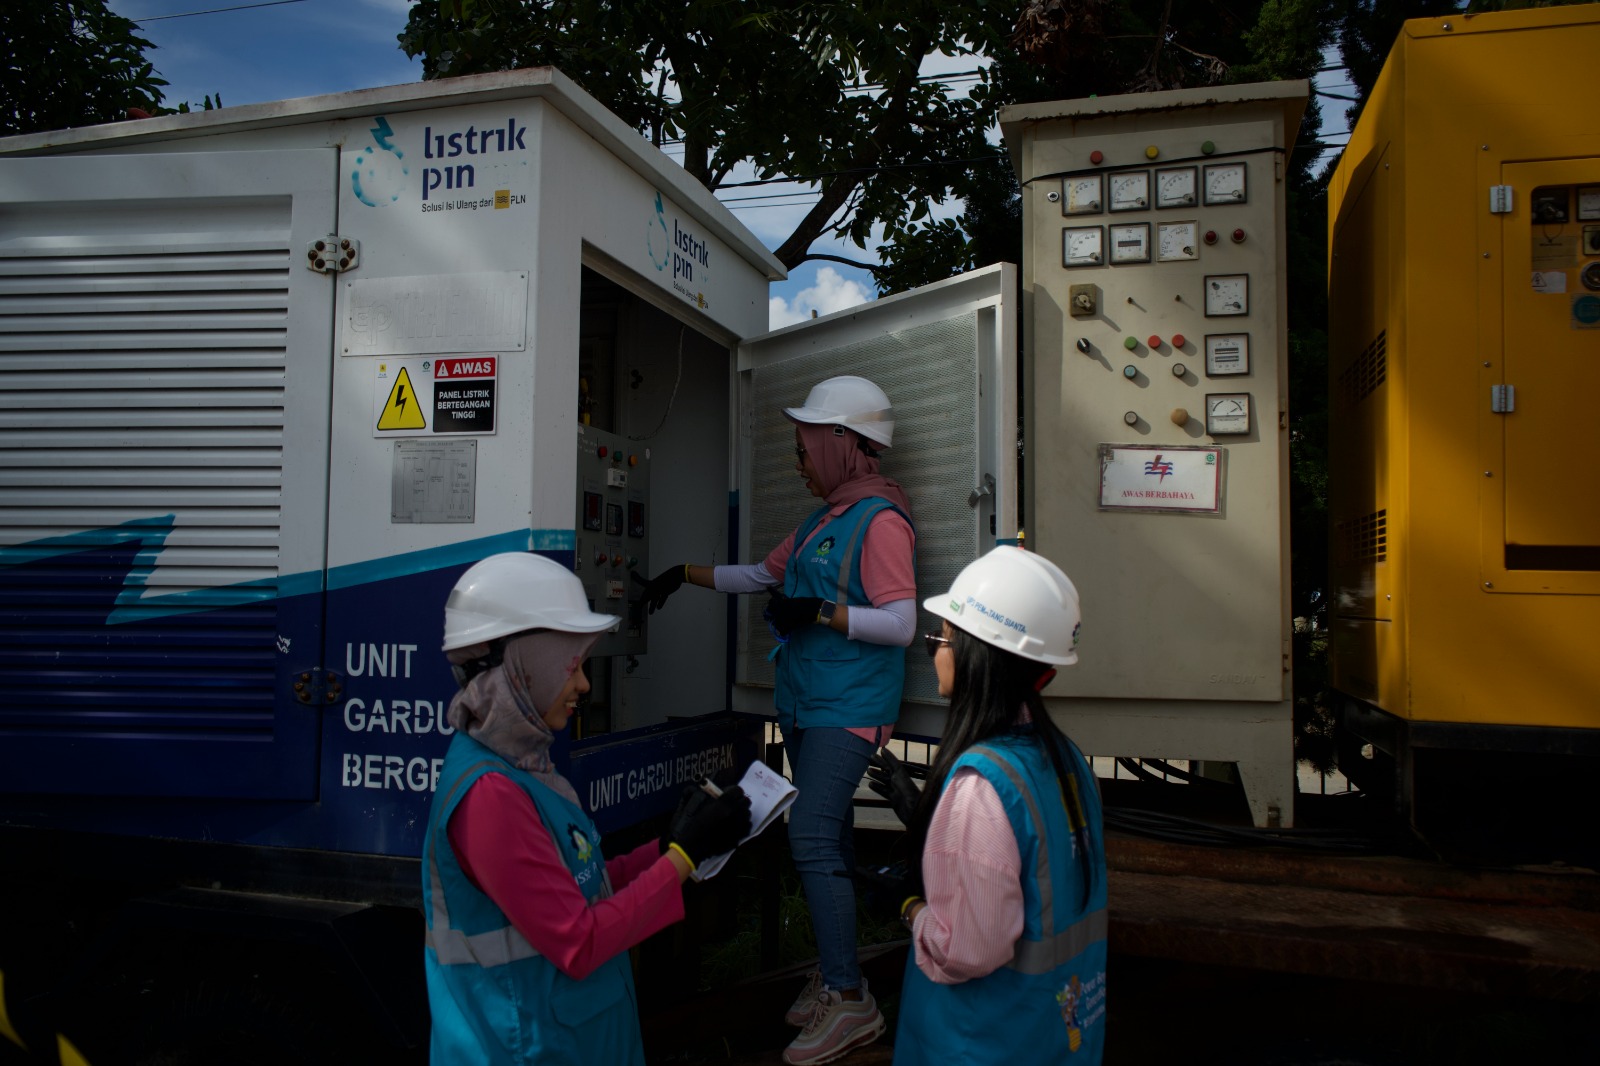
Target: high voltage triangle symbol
point(402, 411)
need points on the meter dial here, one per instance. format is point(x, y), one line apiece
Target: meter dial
point(1081, 246)
point(1176, 187)
point(1225, 183)
point(1227, 412)
point(1227, 294)
point(1130, 243)
point(1176, 241)
point(1130, 190)
point(1227, 353)
point(1589, 203)
point(1082, 196)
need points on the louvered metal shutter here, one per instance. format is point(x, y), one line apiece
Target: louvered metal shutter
point(164, 368)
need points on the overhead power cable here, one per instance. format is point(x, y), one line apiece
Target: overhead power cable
point(216, 10)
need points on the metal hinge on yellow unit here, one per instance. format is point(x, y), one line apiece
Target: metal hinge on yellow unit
point(333, 254)
point(1502, 399)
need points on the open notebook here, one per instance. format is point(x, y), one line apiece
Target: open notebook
point(770, 795)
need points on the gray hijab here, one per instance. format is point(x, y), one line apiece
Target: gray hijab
point(503, 707)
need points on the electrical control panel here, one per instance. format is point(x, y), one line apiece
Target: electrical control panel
point(1157, 457)
point(613, 531)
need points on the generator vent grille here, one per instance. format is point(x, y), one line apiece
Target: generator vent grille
point(1369, 370)
point(141, 461)
point(1365, 539)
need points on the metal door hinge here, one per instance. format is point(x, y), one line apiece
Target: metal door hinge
point(1502, 399)
point(1500, 199)
point(986, 489)
point(333, 254)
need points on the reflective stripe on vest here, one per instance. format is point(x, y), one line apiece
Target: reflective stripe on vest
point(495, 947)
point(1053, 948)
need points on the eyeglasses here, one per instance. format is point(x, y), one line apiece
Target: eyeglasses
point(934, 642)
point(799, 452)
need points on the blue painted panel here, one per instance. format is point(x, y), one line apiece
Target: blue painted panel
point(193, 719)
point(197, 703)
point(625, 778)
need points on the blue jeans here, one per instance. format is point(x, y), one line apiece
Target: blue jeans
point(828, 763)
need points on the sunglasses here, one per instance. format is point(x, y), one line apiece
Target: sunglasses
point(934, 642)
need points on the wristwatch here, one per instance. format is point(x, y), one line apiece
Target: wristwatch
point(825, 612)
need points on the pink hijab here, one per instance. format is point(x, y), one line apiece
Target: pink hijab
point(845, 472)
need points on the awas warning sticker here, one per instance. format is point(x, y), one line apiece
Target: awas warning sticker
point(425, 397)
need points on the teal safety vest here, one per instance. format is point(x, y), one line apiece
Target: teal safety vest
point(1048, 1004)
point(494, 999)
point(824, 678)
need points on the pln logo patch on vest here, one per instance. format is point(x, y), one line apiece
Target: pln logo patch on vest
point(1081, 1006)
point(580, 841)
point(823, 549)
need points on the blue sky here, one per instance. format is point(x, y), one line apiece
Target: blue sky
point(312, 47)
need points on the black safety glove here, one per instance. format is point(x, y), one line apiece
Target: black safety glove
point(889, 778)
point(884, 889)
point(658, 588)
point(710, 828)
point(788, 614)
point(692, 798)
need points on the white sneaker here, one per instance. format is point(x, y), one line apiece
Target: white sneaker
point(805, 1004)
point(837, 1027)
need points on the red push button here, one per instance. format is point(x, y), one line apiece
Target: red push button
point(1154, 341)
point(1177, 340)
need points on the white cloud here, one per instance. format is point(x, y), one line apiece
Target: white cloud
point(830, 292)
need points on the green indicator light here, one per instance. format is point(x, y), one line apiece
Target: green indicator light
point(1130, 343)
point(1207, 148)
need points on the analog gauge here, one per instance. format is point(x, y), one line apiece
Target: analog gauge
point(1130, 191)
point(1589, 203)
point(1227, 294)
point(1081, 246)
point(1130, 243)
point(1225, 183)
point(1227, 412)
point(1176, 241)
point(1176, 187)
point(1082, 195)
point(1227, 353)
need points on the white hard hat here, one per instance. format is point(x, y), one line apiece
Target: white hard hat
point(1018, 601)
point(513, 592)
point(848, 401)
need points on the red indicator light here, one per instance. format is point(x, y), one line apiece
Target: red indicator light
point(1211, 236)
point(1097, 157)
point(1177, 340)
point(604, 451)
point(1238, 236)
point(1155, 341)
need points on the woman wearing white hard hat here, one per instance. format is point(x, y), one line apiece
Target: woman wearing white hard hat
point(844, 607)
point(528, 925)
point(1006, 901)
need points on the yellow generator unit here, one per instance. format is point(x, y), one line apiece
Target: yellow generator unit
point(1464, 223)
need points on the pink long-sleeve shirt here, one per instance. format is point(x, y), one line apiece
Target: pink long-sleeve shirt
point(972, 880)
point(506, 850)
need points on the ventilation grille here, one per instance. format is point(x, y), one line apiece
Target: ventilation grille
point(141, 456)
point(1362, 377)
point(1365, 539)
point(930, 374)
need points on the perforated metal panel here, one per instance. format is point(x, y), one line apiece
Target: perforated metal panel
point(939, 373)
point(150, 523)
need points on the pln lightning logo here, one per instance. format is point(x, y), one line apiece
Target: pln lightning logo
point(1159, 469)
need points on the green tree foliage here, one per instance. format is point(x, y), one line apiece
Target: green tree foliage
point(825, 90)
point(71, 63)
